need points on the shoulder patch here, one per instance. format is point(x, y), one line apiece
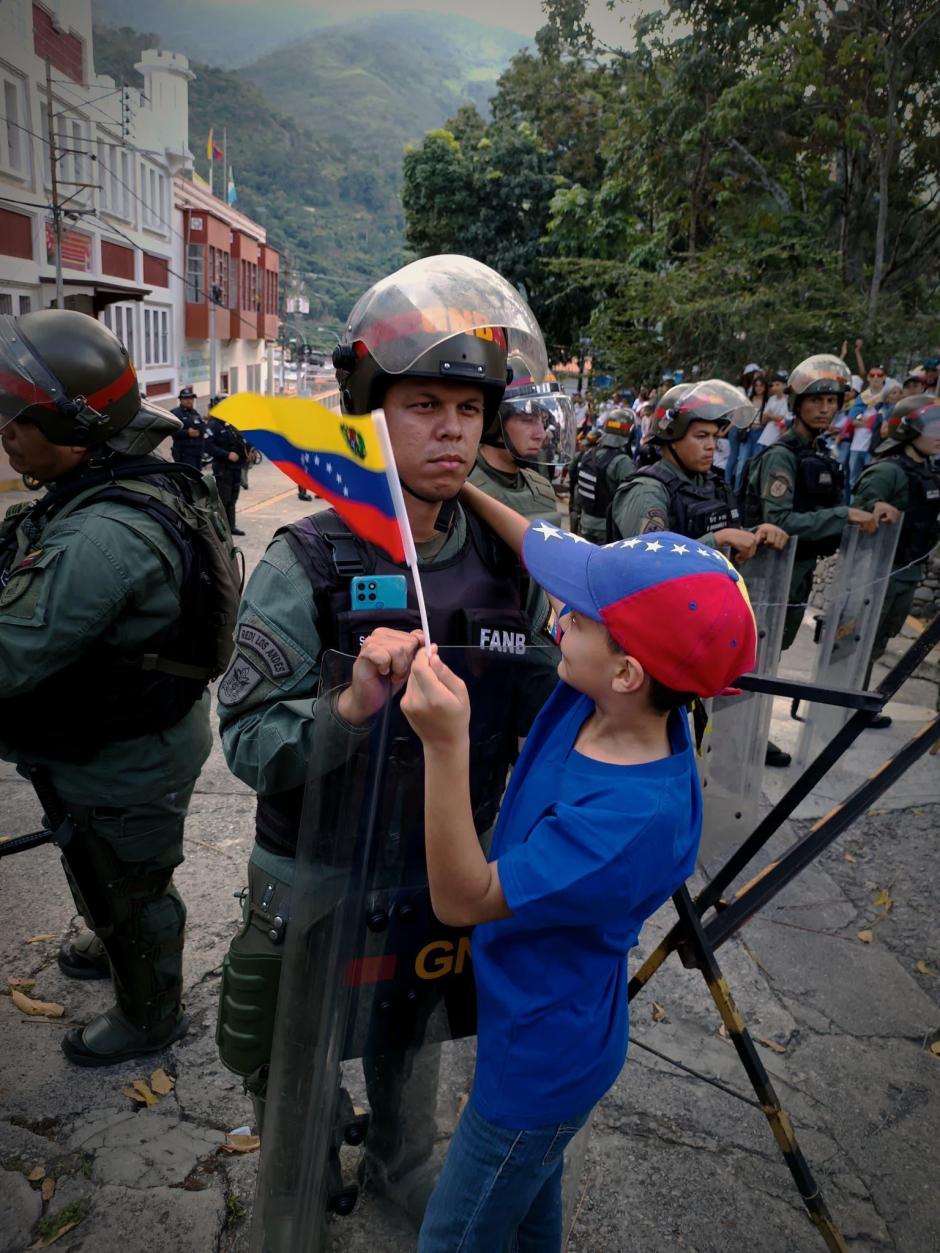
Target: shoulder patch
point(655, 520)
point(780, 485)
point(272, 657)
point(239, 680)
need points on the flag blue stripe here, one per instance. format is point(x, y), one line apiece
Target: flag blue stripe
point(368, 487)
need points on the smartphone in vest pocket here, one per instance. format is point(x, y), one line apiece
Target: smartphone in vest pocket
point(378, 591)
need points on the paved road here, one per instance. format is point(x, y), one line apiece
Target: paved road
point(673, 1163)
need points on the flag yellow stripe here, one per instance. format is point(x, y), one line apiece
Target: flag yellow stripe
point(305, 424)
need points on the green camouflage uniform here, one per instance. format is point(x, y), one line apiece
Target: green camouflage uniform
point(106, 577)
point(617, 471)
point(645, 506)
point(773, 475)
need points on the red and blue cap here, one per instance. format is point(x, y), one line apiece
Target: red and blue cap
point(679, 608)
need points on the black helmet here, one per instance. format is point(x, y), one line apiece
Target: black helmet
point(910, 417)
point(71, 376)
point(822, 375)
point(712, 400)
point(444, 317)
point(186, 393)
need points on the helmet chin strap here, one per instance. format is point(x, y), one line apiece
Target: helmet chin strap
point(445, 515)
point(678, 459)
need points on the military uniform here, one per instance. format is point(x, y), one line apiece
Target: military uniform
point(524, 490)
point(913, 487)
point(664, 497)
point(797, 486)
point(598, 474)
point(188, 449)
point(222, 439)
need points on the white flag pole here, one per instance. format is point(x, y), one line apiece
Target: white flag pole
point(398, 500)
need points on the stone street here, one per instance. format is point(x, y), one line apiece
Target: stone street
point(844, 1028)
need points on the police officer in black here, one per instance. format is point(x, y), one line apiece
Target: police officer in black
point(188, 444)
point(229, 454)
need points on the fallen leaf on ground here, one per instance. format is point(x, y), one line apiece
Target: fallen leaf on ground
point(462, 1102)
point(40, 1009)
point(48, 1189)
point(884, 900)
point(659, 1013)
point(134, 1095)
point(4, 838)
point(143, 1088)
point(935, 1048)
point(866, 936)
point(37, 1173)
point(161, 1083)
point(771, 1044)
point(723, 1032)
point(848, 857)
point(241, 1144)
point(922, 968)
point(24, 985)
point(38, 939)
point(44, 1244)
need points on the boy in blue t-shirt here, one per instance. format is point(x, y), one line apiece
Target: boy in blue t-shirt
point(599, 825)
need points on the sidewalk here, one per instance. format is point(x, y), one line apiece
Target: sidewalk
point(844, 1028)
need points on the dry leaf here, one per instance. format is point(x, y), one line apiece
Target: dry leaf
point(135, 1096)
point(48, 1189)
point(141, 1086)
point(161, 1083)
point(884, 900)
point(242, 1144)
point(5, 838)
point(922, 968)
point(771, 1044)
point(38, 939)
point(866, 936)
point(935, 1048)
point(37, 1173)
point(44, 1244)
point(39, 1009)
point(659, 1013)
point(24, 985)
point(848, 857)
point(723, 1032)
point(462, 1102)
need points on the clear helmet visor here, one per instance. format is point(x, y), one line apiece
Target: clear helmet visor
point(410, 312)
point(821, 374)
point(714, 400)
point(540, 429)
point(25, 379)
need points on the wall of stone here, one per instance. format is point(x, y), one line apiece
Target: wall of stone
point(926, 598)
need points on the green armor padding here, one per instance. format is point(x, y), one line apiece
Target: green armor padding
point(247, 1005)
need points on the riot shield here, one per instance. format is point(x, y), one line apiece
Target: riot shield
point(373, 1049)
point(732, 763)
point(850, 614)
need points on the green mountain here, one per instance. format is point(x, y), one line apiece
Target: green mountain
point(316, 131)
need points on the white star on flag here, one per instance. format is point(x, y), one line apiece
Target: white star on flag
point(547, 531)
point(316, 461)
point(679, 548)
point(578, 539)
point(654, 547)
point(630, 543)
point(703, 552)
point(339, 478)
point(329, 467)
point(345, 491)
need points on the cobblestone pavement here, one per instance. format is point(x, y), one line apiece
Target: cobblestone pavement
point(844, 1029)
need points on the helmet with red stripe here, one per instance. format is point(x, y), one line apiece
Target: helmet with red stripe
point(72, 377)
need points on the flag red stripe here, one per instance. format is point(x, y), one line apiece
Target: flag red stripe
point(368, 522)
point(362, 970)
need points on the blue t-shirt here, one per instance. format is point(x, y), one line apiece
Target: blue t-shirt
point(587, 851)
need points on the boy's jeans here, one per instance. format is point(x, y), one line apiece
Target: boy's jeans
point(499, 1190)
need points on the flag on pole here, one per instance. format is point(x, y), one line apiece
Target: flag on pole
point(213, 151)
point(232, 193)
point(339, 458)
point(200, 181)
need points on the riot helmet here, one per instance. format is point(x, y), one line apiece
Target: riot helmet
point(71, 377)
point(443, 317)
point(910, 418)
point(712, 400)
point(536, 421)
point(620, 422)
point(821, 375)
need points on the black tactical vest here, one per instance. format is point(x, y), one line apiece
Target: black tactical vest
point(819, 483)
point(105, 695)
point(593, 487)
point(474, 598)
point(694, 509)
point(921, 527)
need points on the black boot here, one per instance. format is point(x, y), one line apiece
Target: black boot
point(775, 756)
point(84, 958)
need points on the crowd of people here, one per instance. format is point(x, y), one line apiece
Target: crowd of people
point(117, 608)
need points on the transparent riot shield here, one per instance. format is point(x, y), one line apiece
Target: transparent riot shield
point(373, 1053)
point(846, 634)
point(732, 763)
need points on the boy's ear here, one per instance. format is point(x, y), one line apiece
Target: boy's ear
point(629, 675)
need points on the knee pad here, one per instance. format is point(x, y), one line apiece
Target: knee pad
point(247, 1005)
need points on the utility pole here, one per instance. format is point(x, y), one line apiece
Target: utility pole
point(56, 211)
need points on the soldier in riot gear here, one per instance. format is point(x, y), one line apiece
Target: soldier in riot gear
point(105, 657)
point(599, 473)
point(429, 344)
point(188, 443)
point(904, 475)
point(229, 454)
point(799, 487)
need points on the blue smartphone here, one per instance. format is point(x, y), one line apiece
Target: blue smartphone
point(379, 591)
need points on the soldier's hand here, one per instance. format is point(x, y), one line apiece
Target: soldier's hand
point(193, 434)
point(883, 512)
point(863, 519)
point(772, 536)
point(436, 702)
point(380, 670)
point(233, 456)
point(742, 543)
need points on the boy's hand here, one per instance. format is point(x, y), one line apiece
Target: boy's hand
point(380, 670)
point(436, 702)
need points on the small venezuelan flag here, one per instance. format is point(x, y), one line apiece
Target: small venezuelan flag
point(337, 457)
